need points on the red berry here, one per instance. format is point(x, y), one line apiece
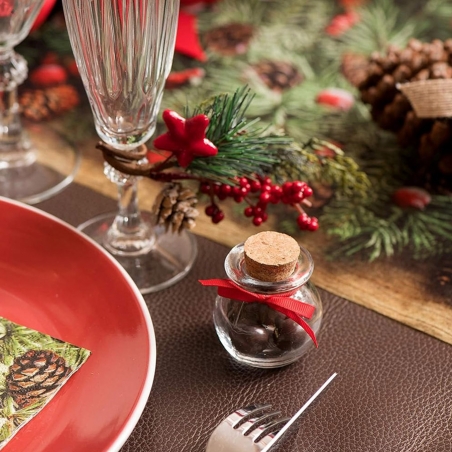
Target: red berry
point(297, 197)
point(48, 75)
point(216, 188)
point(244, 190)
point(276, 190)
point(222, 196)
point(243, 181)
point(307, 192)
point(302, 220)
point(313, 225)
point(258, 211)
point(341, 23)
point(267, 181)
point(211, 210)
point(238, 198)
point(204, 188)
point(255, 186)
point(274, 199)
point(264, 216)
point(225, 189)
point(297, 186)
point(336, 98)
point(236, 191)
point(219, 216)
point(287, 187)
point(249, 212)
point(257, 221)
point(265, 197)
point(414, 197)
point(266, 187)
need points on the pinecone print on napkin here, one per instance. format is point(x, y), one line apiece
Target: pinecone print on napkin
point(35, 375)
point(33, 367)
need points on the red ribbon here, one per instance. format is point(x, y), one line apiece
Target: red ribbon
point(281, 302)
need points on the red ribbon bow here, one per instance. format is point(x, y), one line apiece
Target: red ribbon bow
point(281, 302)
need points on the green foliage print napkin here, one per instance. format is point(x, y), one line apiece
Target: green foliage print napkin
point(33, 367)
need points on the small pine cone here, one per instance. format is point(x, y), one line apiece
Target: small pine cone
point(42, 104)
point(231, 39)
point(278, 75)
point(175, 208)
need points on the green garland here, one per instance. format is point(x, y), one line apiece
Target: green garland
point(360, 214)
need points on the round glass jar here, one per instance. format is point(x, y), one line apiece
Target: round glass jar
point(254, 333)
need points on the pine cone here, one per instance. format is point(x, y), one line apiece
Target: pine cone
point(278, 75)
point(232, 39)
point(392, 110)
point(41, 104)
point(354, 68)
point(35, 375)
point(175, 208)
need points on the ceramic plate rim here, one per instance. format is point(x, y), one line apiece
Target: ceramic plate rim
point(133, 418)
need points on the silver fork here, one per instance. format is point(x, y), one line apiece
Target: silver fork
point(255, 428)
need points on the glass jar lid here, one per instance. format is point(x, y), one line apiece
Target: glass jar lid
point(235, 267)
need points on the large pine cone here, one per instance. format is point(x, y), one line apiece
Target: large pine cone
point(35, 375)
point(392, 110)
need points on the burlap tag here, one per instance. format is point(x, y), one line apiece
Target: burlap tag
point(429, 98)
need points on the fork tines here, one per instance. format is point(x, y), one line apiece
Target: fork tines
point(257, 419)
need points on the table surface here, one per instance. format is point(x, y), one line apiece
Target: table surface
point(393, 392)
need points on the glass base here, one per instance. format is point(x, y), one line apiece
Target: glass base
point(170, 259)
point(52, 167)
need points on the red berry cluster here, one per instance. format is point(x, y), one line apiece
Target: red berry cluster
point(264, 192)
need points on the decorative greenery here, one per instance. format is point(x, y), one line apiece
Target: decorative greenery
point(370, 164)
point(243, 147)
point(366, 165)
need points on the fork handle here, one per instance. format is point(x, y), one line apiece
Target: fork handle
point(297, 414)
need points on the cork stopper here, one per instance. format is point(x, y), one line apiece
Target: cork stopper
point(271, 256)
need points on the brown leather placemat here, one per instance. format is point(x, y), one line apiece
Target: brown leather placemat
point(393, 392)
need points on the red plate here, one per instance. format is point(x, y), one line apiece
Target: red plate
point(57, 281)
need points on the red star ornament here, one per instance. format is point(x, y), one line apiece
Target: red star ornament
point(186, 138)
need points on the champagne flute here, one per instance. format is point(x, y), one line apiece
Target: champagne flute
point(124, 51)
point(30, 170)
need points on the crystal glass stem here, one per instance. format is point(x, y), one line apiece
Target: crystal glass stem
point(128, 235)
point(15, 150)
point(124, 51)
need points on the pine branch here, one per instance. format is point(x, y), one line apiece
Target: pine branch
point(243, 148)
point(381, 23)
